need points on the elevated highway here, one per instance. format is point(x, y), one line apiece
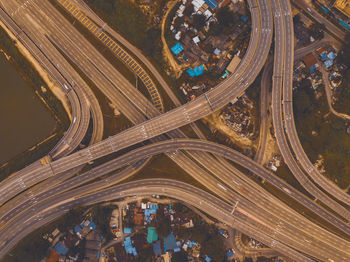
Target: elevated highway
point(283, 70)
point(202, 106)
point(217, 209)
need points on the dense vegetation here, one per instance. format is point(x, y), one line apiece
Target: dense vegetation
point(34, 247)
point(127, 19)
point(322, 133)
point(343, 91)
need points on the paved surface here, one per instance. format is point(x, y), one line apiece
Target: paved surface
point(258, 213)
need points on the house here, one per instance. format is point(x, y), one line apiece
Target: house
point(196, 39)
point(61, 249)
point(212, 3)
point(170, 242)
point(233, 64)
point(310, 62)
point(197, 71)
point(128, 247)
point(157, 249)
point(207, 259)
point(151, 234)
point(127, 230)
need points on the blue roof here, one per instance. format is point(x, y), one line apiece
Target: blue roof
point(324, 55)
point(77, 229)
point(151, 234)
point(312, 69)
point(207, 259)
point(328, 63)
point(127, 230)
point(169, 242)
point(61, 249)
point(196, 71)
point(211, 3)
point(331, 55)
point(128, 247)
point(92, 225)
point(177, 48)
point(229, 254)
point(244, 18)
point(157, 250)
point(344, 24)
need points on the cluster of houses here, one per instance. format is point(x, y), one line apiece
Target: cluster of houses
point(139, 232)
point(309, 67)
point(198, 50)
point(237, 116)
point(64, 244)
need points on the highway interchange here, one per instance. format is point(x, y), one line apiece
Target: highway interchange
point(258, 213)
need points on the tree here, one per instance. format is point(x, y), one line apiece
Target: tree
point(214, 29)
point(162, 224)
point(188, 10)
point(213, 247)
point(317, 30)
point(178, 22)
point(302, 101)
point(198, 21)
point(225, 16)
point(296, 19)
point(179, 257)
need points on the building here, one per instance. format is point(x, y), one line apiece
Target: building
point(61, 249)
point(170, 242)
point(151, 234)
point(176, 49)
point(343, 6)
point(233, 64)
point(197, 71)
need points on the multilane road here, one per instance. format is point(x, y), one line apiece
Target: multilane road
point(203, 105)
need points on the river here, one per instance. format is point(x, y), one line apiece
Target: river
point(24, 119)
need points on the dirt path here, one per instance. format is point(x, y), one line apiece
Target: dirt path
point(56, 90)
point(166, 51)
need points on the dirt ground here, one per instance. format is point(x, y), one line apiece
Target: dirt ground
point(214, 121)
point(57, 91)
point(177, 69)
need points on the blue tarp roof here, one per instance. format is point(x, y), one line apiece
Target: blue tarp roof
point(157, 250)
point(150, 211)
point(324, 55)
point(61, 249)
point(244, 18)
point(328, 63)
point(211, 3)
point(77, 229)
point(331, 55)
point(312, 69)
point(177, 48)
point(128, 247)
point(196, 71)
point(151, 234)
point(127, 230)
point(229, 254)
point(344, 24)
point(207, 259)
point(170, 242)
point(92, 225)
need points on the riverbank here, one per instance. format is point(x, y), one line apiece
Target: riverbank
point(57, 91)
point(36, 78)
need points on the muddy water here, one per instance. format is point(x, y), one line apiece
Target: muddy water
point(24, 119)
